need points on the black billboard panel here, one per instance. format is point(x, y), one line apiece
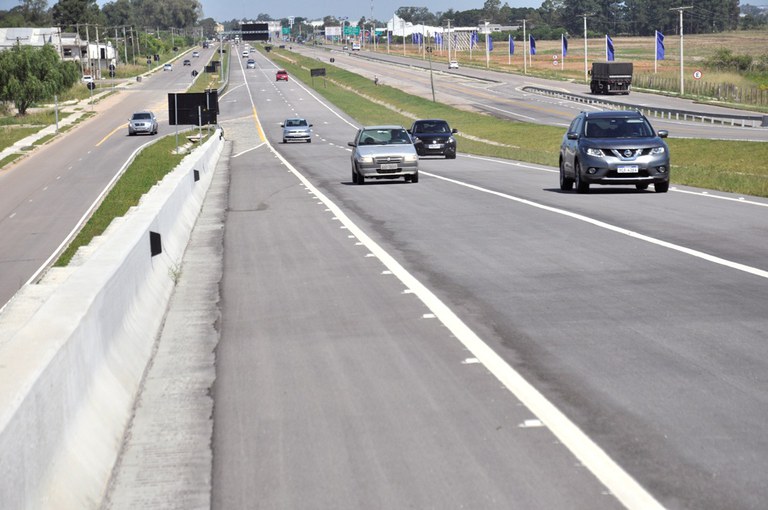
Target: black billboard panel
point(255, 31)
point(196, 109)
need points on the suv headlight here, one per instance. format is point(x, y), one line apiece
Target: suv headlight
point(658, 150)
point(594, 152)
point(451, 139)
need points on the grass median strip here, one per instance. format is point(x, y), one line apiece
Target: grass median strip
point(149, 167)
point(714, 164)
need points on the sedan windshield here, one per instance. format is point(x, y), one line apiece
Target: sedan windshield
point(617, 128)
point(295, 122)
point(141, 116)
point(432, 127)
point(384, 137)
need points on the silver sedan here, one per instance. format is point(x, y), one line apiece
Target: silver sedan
point(297, 129)
point(384, 152)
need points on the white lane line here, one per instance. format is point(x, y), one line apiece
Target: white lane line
point(625, 488)
point(247, 150)
point(630, 233)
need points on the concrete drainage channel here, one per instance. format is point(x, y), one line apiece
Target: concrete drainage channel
point(755, 121)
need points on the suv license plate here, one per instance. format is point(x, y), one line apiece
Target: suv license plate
point(435, 146)
point(627, 169)
point(389, 166)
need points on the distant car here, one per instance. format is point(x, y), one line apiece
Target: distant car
point(355, 47)
point(142, 122)
point(453, 64)
point(613, 147)
point(205, 44)
point(187, 62)
point(345, 47)
point(87, 78)
point(282, 75)
point(168, 67)
point(195, 54)
point(251, 64)
point(246, 53)
point(383, 152)
point(433, 137)
point(296, 129)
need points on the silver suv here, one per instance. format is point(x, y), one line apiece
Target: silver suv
point(142, 122)
point(613, 147)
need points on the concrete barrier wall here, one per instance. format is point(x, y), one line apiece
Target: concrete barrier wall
point(74, 347)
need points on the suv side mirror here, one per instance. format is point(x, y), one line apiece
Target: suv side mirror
point(663, 133)
point(352, 144)
point(573, 136)
point(454, 131)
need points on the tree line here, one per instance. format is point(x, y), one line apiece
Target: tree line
point(75, 15)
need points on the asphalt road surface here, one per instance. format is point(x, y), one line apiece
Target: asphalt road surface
point(345, 377)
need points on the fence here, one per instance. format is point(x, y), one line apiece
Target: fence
point(728, 92)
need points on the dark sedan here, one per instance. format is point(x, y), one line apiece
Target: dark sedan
point(434, 137)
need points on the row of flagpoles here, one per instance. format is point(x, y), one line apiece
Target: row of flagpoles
point(610, 53)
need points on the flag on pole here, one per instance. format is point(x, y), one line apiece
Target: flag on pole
point(564, 44)
point(659, 46)
point(511, 45)
point(473, 40)
point(532, 44)
point(609, 53)
point(489, 42)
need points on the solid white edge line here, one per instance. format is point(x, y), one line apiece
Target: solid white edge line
point(607, 226)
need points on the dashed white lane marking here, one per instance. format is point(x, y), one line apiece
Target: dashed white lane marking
point(531, 423)
point(470, 361)
point(625, 488)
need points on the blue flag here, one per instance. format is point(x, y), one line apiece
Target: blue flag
point(532, 42)
point(511, 45)
point(473, 40)
point(609, 56)
point(489, 42)
point(564, 44)
point(659, 46)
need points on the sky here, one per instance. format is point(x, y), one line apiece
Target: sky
point(225, 10)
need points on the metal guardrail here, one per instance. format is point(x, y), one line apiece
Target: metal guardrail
point(754, 121)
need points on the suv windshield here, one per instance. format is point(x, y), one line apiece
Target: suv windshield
point(141, 116)
point(617, 128)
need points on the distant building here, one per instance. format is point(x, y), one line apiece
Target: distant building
point(94, 58)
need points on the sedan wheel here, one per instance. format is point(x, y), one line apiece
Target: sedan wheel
point(581, 186)
point(415, 177)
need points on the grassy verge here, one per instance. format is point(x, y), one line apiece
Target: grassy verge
point(149, 167)
point(713, 164)
point(206, 81)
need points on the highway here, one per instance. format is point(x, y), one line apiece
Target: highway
point(505, 95)
point(46, 195)
point(477, 340)
point(352, 366)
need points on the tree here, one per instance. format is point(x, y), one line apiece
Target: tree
point(33, 74)
point(118, 13)
point(71, 13)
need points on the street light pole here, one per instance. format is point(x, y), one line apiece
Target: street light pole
point(682, 79)
point(431, 80)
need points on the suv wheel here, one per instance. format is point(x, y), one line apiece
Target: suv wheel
point(566, 183)
point(661, 187)
point(581, 186)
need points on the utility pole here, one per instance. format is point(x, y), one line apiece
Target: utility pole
point(682, 79)
point(487, 51)
point(586, 71)
point(525, 45)
point(449, 40)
